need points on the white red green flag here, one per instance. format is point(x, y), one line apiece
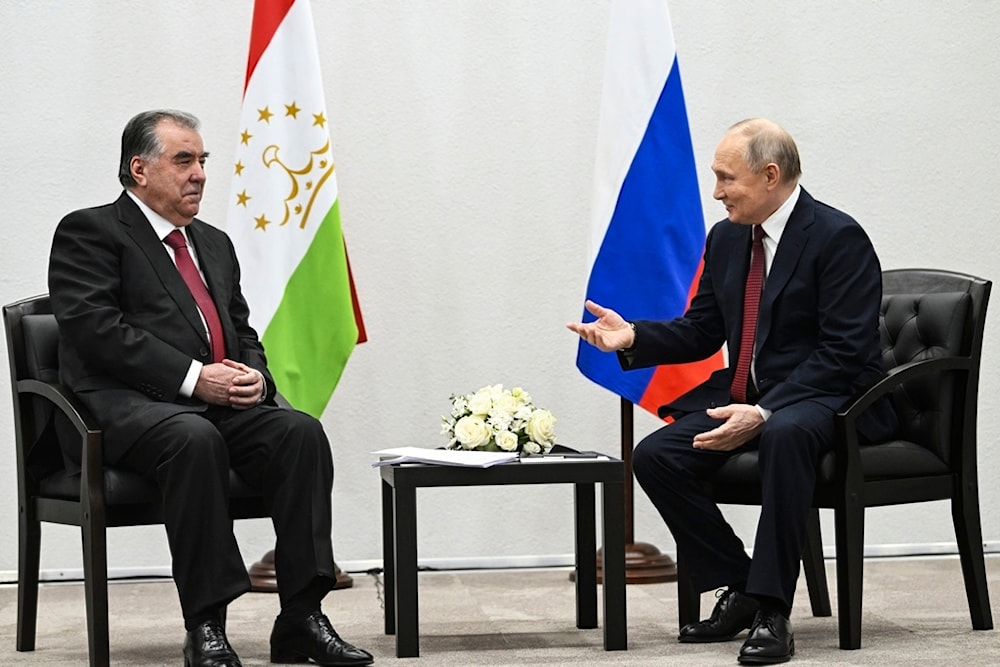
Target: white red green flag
point(284, 216)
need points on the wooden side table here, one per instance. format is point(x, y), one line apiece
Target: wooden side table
point(399, 536)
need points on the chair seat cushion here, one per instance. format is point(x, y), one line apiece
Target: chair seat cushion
point(123, 487)
point(889, 460)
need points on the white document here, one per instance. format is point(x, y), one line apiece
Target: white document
point(443, 457)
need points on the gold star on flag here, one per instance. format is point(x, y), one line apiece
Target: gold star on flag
point(264, 115)
point(319, 119)
point(239, 167)
point(245, 138)
point(262, 222)
point(292, 110)
point(242, 199)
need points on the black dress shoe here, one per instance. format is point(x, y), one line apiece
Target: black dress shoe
point(733, 613)
point(770, 640)
point(207, 646)
point(313, 638)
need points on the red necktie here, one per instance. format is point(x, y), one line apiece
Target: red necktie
point(192, 277)
point(751, 304)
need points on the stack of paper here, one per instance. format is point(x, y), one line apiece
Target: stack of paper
point(443, 457)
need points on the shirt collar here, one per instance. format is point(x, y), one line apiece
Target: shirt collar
point(160, 225)
point(775, 224)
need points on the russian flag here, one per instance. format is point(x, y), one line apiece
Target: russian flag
point(648, 231)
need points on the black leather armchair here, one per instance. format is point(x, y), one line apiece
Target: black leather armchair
point(932, 333)
point(95, 498)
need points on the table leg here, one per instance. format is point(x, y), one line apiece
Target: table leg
point(407, 619)
point(388, 559)
point(586, 563)
point(613, 545)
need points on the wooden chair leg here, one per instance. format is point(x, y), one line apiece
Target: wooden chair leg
point(969, 533)
point(814, 568)
point(95, 583)
point(850, 529)
point(29, 545)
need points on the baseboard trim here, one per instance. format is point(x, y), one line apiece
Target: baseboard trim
point(491, 562)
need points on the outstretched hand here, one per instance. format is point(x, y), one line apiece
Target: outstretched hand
point(609, 332)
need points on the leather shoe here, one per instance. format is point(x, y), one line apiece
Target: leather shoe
point(207, 646)
point(313, 638)
point(733, 613)
point(770, 640)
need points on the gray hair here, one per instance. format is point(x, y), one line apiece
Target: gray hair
point(139, 138)
point(768, 142)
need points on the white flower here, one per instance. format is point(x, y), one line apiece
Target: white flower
point(506, 441)
point(481, 402)
point(495, 418)
point(541, 427)
point(472, 432)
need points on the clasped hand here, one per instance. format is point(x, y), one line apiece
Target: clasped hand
point(229, 383)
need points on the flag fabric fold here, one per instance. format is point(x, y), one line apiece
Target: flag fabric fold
point(284, 214)
point(648, 231)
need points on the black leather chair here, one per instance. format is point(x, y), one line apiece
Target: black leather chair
point(95, 498)
point(932, 333)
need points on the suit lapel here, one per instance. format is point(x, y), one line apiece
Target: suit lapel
point(793, 242)
point(141, 232)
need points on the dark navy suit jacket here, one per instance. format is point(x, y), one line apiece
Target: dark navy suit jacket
point(817, 336)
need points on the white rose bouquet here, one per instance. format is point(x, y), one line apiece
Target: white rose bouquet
point(495, 419)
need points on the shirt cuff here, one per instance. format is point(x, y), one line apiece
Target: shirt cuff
point(191, 379)
point(263, 381)
point(764, 412)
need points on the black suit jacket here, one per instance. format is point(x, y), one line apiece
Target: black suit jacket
point(817, 335)
point(128, 324)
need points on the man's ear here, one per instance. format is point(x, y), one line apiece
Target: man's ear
point(772, 173)
point(138, 169)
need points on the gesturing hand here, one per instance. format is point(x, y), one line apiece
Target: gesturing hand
point(608, 332)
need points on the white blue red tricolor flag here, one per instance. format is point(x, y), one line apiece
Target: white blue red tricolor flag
point(648, 231)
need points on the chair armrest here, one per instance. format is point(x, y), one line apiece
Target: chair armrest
point(896, 377)
point(91, 437)
point(846, 443)
point(65, 401)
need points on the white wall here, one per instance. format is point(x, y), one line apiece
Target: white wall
point(464, 136)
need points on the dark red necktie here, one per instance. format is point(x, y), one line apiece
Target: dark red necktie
point(192, 277)
point(751, 304)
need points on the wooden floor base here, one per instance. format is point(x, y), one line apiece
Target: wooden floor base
point(263, 578)
point(644, 564)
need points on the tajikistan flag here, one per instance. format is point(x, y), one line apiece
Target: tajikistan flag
point(284, 218)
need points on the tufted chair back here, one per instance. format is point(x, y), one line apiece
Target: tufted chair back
point(915, 327)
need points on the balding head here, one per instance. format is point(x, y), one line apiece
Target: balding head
point(769, 143)
point(756, 168)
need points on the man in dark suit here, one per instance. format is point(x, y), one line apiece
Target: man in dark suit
point(182, 392)
point(816, 343)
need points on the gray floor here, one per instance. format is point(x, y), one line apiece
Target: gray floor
point(914, 613)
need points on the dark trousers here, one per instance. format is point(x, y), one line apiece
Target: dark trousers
point(283, 452)
point(669, 469)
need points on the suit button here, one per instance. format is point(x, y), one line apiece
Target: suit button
point(203, 353)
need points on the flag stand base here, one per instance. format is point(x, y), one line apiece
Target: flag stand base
point(644, 564)
point(263, 578)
